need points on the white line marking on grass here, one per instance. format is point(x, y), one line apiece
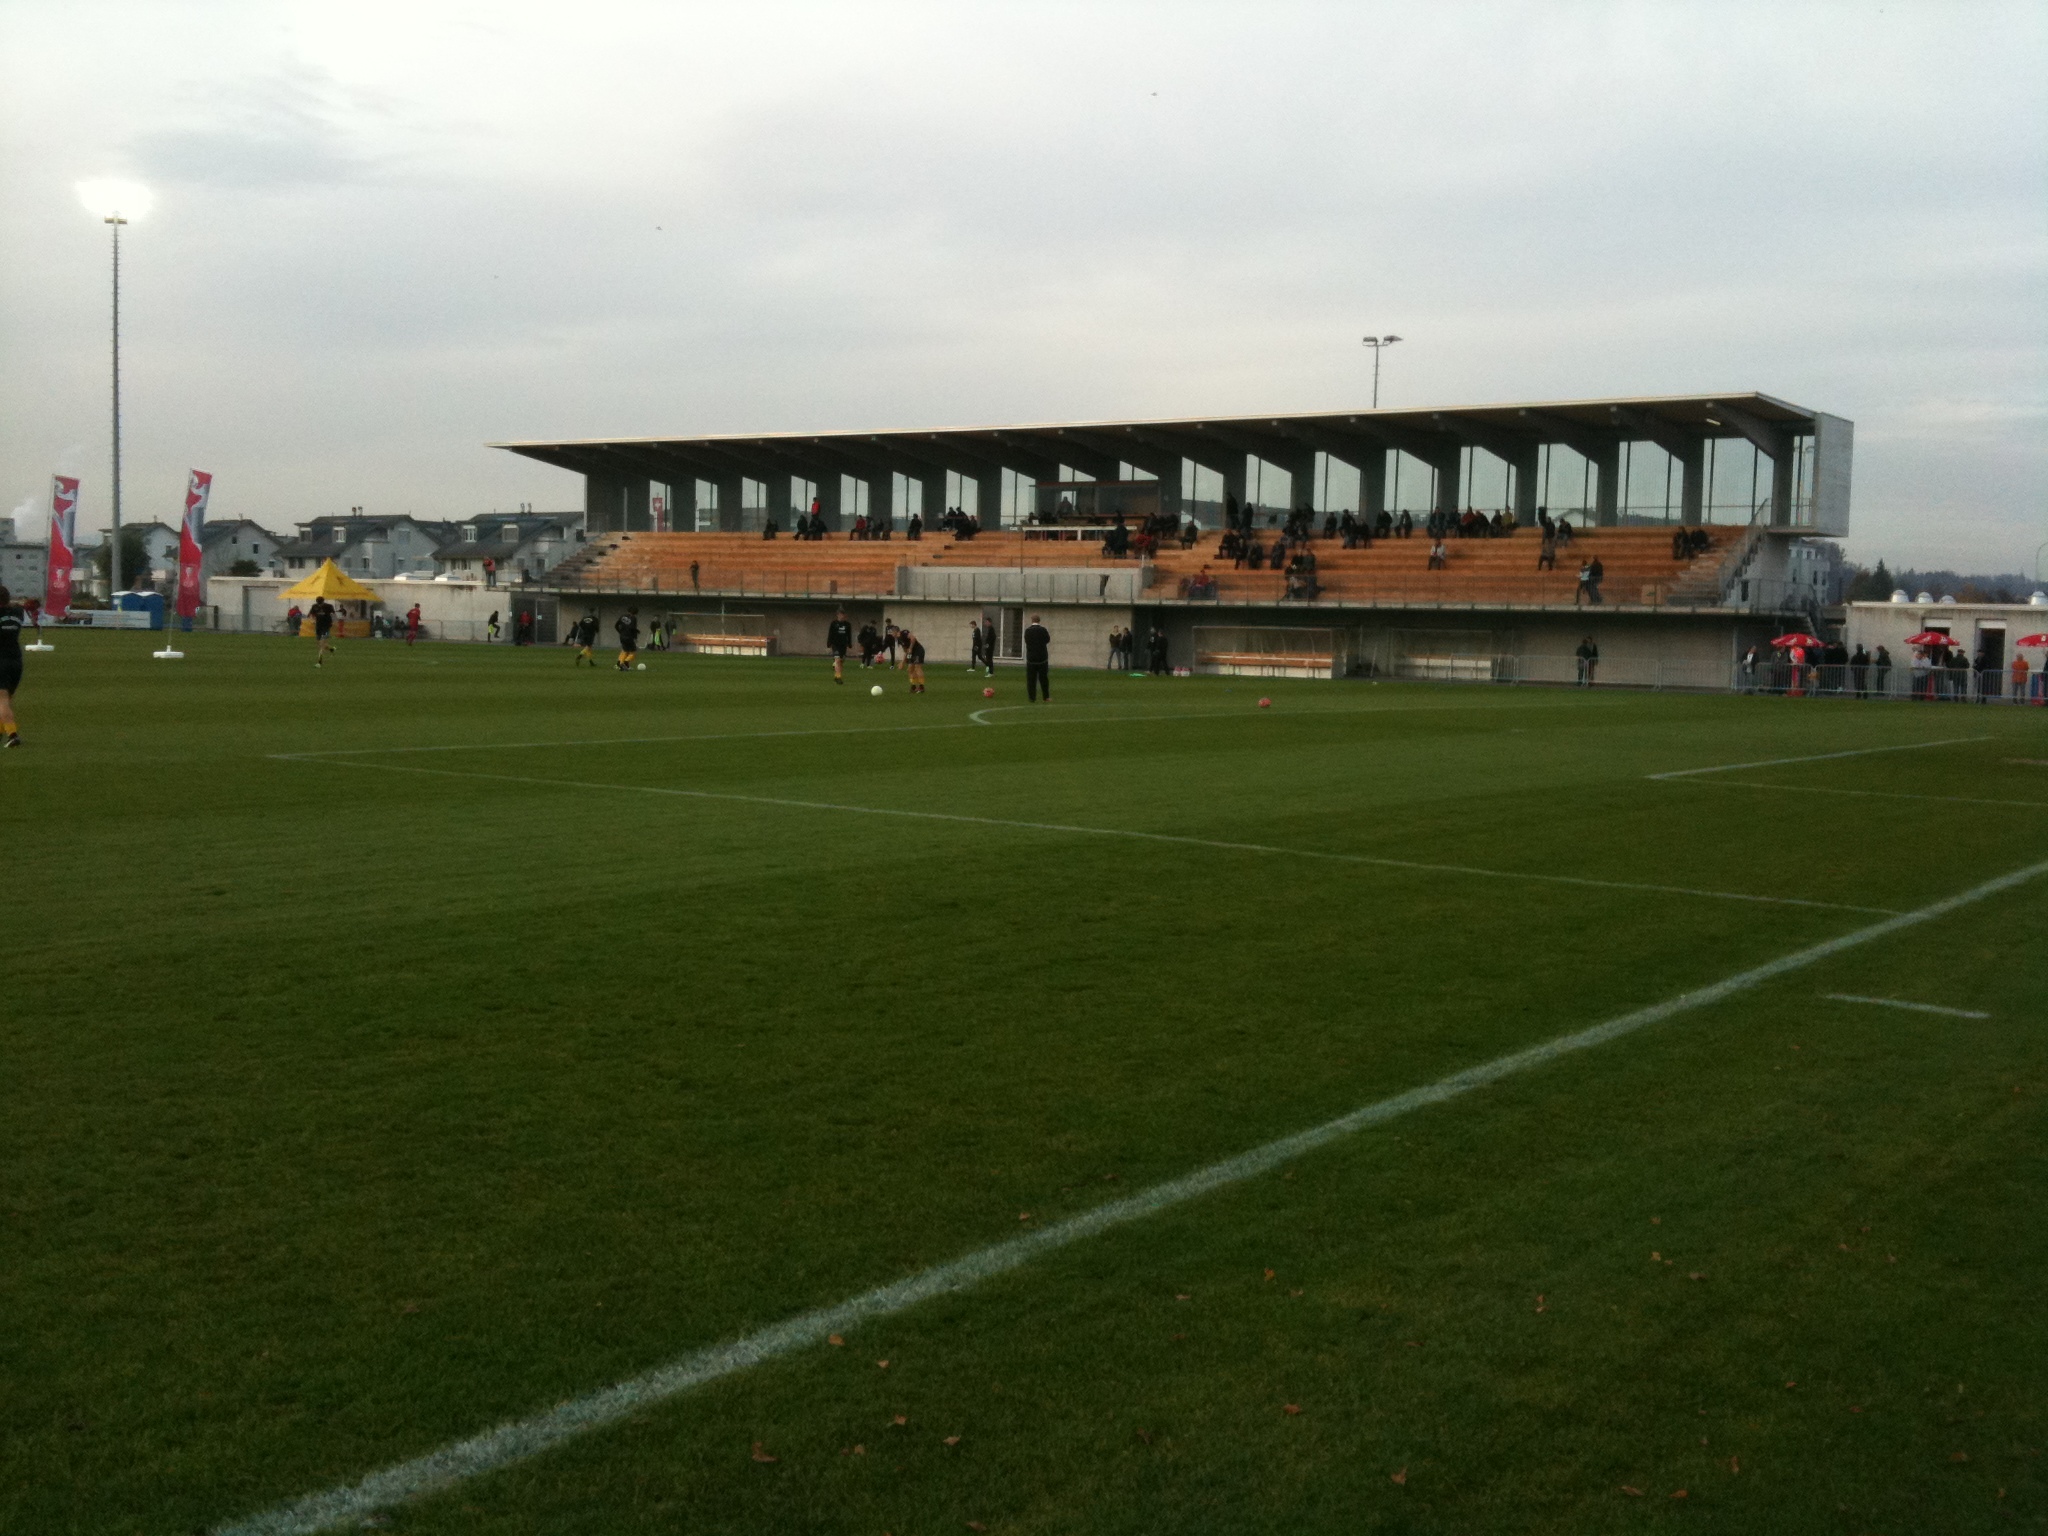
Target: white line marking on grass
point(1875, 794)
point(973, 719)
point(523, 1439)
point(1818, 757)
point(1076, 830)
point(1892, 1002)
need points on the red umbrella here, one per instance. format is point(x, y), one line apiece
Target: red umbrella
point(1930, 637)
point(2032, 640)
point(1784, 642)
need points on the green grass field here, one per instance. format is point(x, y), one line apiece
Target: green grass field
point(356, 1103)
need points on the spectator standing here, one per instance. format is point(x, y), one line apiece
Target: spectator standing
point(491, 626)
point(1585, 593)
point(1159, 664)
point(974, 652)
point(1880, 670)
point(1546, 552)
point(1599, 575)
point(988, 644)
point(1589, 658)
point(1037, 660)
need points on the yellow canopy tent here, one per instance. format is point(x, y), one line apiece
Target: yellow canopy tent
point(332, 583)
point(337, 586)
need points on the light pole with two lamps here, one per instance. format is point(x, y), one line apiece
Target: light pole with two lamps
point(116, 202)
point(1378, 344)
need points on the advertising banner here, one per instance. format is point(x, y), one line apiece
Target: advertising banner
point(63, 544)
point(197, 489)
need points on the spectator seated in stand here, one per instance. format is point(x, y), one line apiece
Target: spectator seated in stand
point(1190, 534)
point(915, 532)
point(1439, 557)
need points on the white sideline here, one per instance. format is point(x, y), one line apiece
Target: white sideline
point(1818, 757)
point(1877, 794)
point(1892, 1002)
point(523, 1439)
point(1068, 827)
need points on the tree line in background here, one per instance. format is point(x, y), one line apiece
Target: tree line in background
point(1875, 584)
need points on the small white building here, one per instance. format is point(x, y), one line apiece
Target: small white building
point(1985, 633)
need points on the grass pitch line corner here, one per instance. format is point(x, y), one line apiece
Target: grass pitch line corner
point(1818, 757)
point(510, 1444)
point(1893, 1002)
point(1075, 829)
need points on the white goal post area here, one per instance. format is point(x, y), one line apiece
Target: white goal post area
point(1249, 650)
point(719, 634)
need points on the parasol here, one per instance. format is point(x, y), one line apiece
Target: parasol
point(1785, 642)
point(1930, 637)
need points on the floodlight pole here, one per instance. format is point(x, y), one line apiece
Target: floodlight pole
point(115, 221)
point(1378, 344)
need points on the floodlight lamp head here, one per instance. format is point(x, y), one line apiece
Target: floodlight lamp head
point(1388, 341)
point(114, 200)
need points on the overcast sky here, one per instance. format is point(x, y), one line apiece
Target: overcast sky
point(386, 235)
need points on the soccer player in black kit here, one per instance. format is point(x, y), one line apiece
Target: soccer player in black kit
point(1037, 660)
point(839, 640)
point(11, 620)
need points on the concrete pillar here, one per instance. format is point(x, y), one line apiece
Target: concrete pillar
point(1781, 489)
point(1607, 485)
point(604, 505)
point(1166, 470)
point(1449, 481)
point(988, 498)
point(1527, 464)
point(731, 493)
point(682, 505)
point(1301, 478)
point(1692, 483)
point(931, 497)
point(1233, 470)
point(1372, 482)
point(830, 496)
point(639, 505)
point(881, 497)
point(777, 500)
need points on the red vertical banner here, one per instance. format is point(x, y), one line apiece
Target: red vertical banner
point(190, 533)
point(63, 544)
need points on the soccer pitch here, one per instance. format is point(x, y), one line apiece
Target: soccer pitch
point(894, 1096)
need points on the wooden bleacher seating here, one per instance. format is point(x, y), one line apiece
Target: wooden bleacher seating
point(1482, 572)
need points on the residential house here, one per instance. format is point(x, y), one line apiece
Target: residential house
point(368, 548)
point(507, 549)
point(227, 543)
point(23, 564)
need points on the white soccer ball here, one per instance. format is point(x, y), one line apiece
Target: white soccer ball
point(643, 666)
point(876, 690)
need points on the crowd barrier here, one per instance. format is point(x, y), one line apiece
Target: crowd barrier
point(1915, 683)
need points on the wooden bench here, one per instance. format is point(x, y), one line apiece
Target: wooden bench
point(1269, 661)
point(724, 645)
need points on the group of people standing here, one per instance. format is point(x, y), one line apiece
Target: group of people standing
point(1123, 650)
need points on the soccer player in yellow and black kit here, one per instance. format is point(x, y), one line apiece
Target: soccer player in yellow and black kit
point(628, 626)
point(11, 620)
point(586, 637)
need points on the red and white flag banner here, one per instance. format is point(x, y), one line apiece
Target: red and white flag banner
point(63, 545)
point(190, 535)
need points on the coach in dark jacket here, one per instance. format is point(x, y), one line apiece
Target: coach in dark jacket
point(1037, 660)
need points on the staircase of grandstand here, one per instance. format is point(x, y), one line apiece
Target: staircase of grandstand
point(1639, 568)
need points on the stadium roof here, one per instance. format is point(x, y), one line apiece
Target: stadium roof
point(1438, 436)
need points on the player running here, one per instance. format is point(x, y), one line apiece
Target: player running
point(839, 640)
point(11, 620)
point(322, 615)
point(586, 640)
point(628, 626)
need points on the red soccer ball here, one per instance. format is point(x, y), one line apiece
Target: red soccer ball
point(988, 693)
point(1265, 703)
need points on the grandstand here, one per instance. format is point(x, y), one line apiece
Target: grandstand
point(1089, 519)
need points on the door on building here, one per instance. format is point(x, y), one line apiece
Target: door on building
point(1010, 638)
